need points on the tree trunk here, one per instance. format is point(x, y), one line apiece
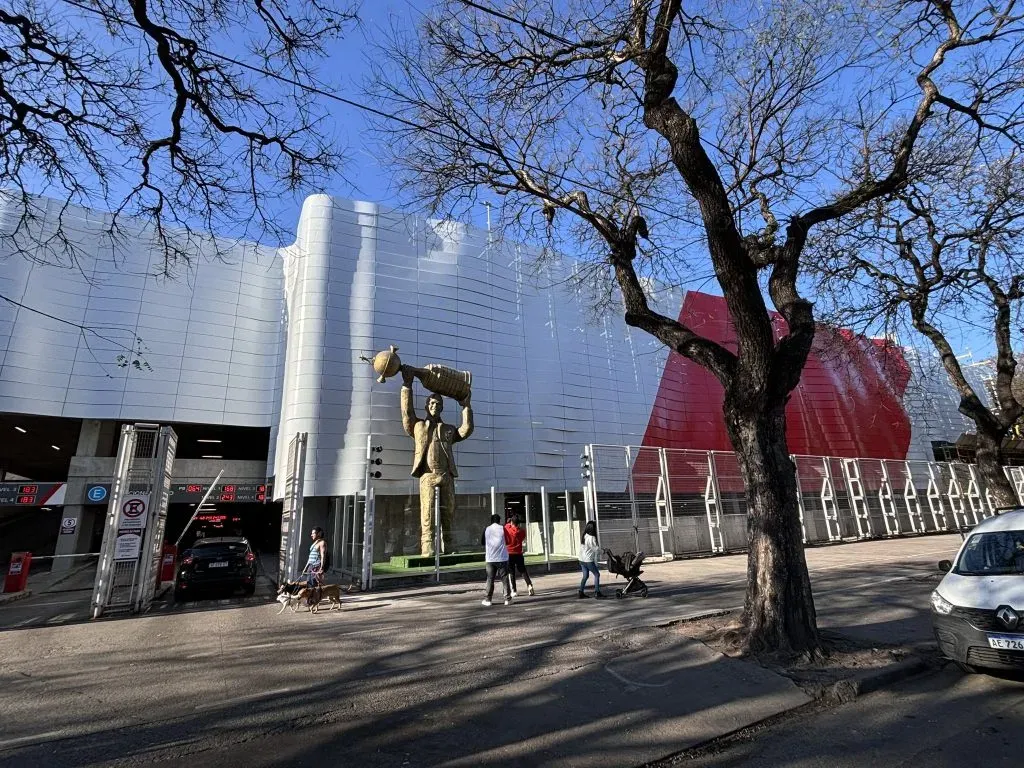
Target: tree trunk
point(778, 613)
point(989, 456)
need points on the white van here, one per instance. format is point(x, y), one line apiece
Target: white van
point(978, 607)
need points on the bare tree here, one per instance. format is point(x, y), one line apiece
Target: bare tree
point(941, 252)
point(187, 114)
point(654, 139)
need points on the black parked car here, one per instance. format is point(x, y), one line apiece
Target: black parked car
point(223, 562)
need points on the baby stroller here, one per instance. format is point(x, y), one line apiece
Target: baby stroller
point(628, 566)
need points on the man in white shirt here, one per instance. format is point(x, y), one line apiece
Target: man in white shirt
point(496, 557)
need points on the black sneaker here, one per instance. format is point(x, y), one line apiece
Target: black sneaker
point(582, 594)
point(599, 595)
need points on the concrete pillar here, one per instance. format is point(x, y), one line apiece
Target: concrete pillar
point(95, 439)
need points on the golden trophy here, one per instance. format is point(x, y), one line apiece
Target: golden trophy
point(439, 379)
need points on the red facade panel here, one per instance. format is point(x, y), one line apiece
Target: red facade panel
point(848, 402)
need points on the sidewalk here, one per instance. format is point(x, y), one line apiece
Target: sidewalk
point(75, 579)
point(391, 678)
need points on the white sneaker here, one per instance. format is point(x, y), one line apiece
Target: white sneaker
point(514, 593)
point(486, 603)
point(508, 601)
point(532, 593)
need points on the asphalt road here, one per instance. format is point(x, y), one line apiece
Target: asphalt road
point(943, 719)
point(425, 677)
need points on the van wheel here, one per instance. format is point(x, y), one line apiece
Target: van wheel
point(967, 669)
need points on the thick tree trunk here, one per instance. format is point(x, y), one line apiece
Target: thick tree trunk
point(778, 612)
point(989, 456)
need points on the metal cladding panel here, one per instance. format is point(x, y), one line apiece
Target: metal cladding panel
point(546, 380)
point(205, 343)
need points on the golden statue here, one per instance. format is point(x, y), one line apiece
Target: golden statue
point(433, 457)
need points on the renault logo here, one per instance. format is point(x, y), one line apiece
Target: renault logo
point(1008, 616)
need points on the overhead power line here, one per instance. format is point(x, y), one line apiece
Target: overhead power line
point(319, 90)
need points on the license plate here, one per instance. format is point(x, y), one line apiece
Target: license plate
point(219, 564)
point(1006, 642)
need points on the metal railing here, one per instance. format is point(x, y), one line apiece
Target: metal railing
point(686, 502)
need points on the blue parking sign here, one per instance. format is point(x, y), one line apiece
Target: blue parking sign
point(96, 493)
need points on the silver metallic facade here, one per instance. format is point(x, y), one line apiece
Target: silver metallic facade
point(250, 335)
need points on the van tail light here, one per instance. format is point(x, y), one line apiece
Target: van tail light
point(250, 557)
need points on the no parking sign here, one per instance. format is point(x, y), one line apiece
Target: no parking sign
point(134, 510)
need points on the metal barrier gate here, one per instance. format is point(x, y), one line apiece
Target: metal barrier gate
point(134, 532)
point(291, 514)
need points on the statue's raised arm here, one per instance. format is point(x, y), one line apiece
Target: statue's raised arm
point(409, 418)
point(466, 428)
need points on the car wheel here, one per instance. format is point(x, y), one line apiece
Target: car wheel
point(179, 597)
point(250, 590)
point(967, 669)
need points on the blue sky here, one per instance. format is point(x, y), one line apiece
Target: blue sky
point(362, 177)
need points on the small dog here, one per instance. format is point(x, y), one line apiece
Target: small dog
point(291, 594)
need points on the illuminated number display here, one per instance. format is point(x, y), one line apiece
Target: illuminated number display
point(232, 493)
point(27, 499)
point(30, 490)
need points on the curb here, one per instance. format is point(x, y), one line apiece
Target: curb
point(845, 691)
point(10, 597)
point(826, 697)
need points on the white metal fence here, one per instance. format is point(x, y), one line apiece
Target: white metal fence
point(686, 502)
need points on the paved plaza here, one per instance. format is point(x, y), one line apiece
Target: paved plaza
point(427, 676)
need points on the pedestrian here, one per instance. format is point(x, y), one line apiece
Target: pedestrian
point(315, 565)
point(514, 539)
point(496, 557)
point(590, 550)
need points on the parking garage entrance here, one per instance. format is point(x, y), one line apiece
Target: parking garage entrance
point(259, 522)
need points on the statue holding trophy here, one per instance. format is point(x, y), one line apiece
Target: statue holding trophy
point(433, 457)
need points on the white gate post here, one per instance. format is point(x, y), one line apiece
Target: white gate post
point(935, 500)
point(855, 488)
point(828, 502)
point(713, 506)
point(799, 499)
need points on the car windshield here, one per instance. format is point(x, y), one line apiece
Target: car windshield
point(996, 553)
point(216, 549)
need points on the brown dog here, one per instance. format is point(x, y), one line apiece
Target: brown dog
point(329, 592)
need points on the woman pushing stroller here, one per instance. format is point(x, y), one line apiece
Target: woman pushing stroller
point(590, 550)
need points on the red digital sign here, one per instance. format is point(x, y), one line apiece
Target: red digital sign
point(212, 518)
point(195, 488)
point(29, 489)
point(27, 499)
point(227, 496)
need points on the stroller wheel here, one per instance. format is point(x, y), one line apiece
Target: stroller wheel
point(644, 592)
point(618, 593)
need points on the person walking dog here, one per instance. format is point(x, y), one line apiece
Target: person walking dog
point(590, 550)
point(515, 537)
point(496, 557)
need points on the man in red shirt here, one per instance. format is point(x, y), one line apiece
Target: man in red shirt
point(514, 538)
